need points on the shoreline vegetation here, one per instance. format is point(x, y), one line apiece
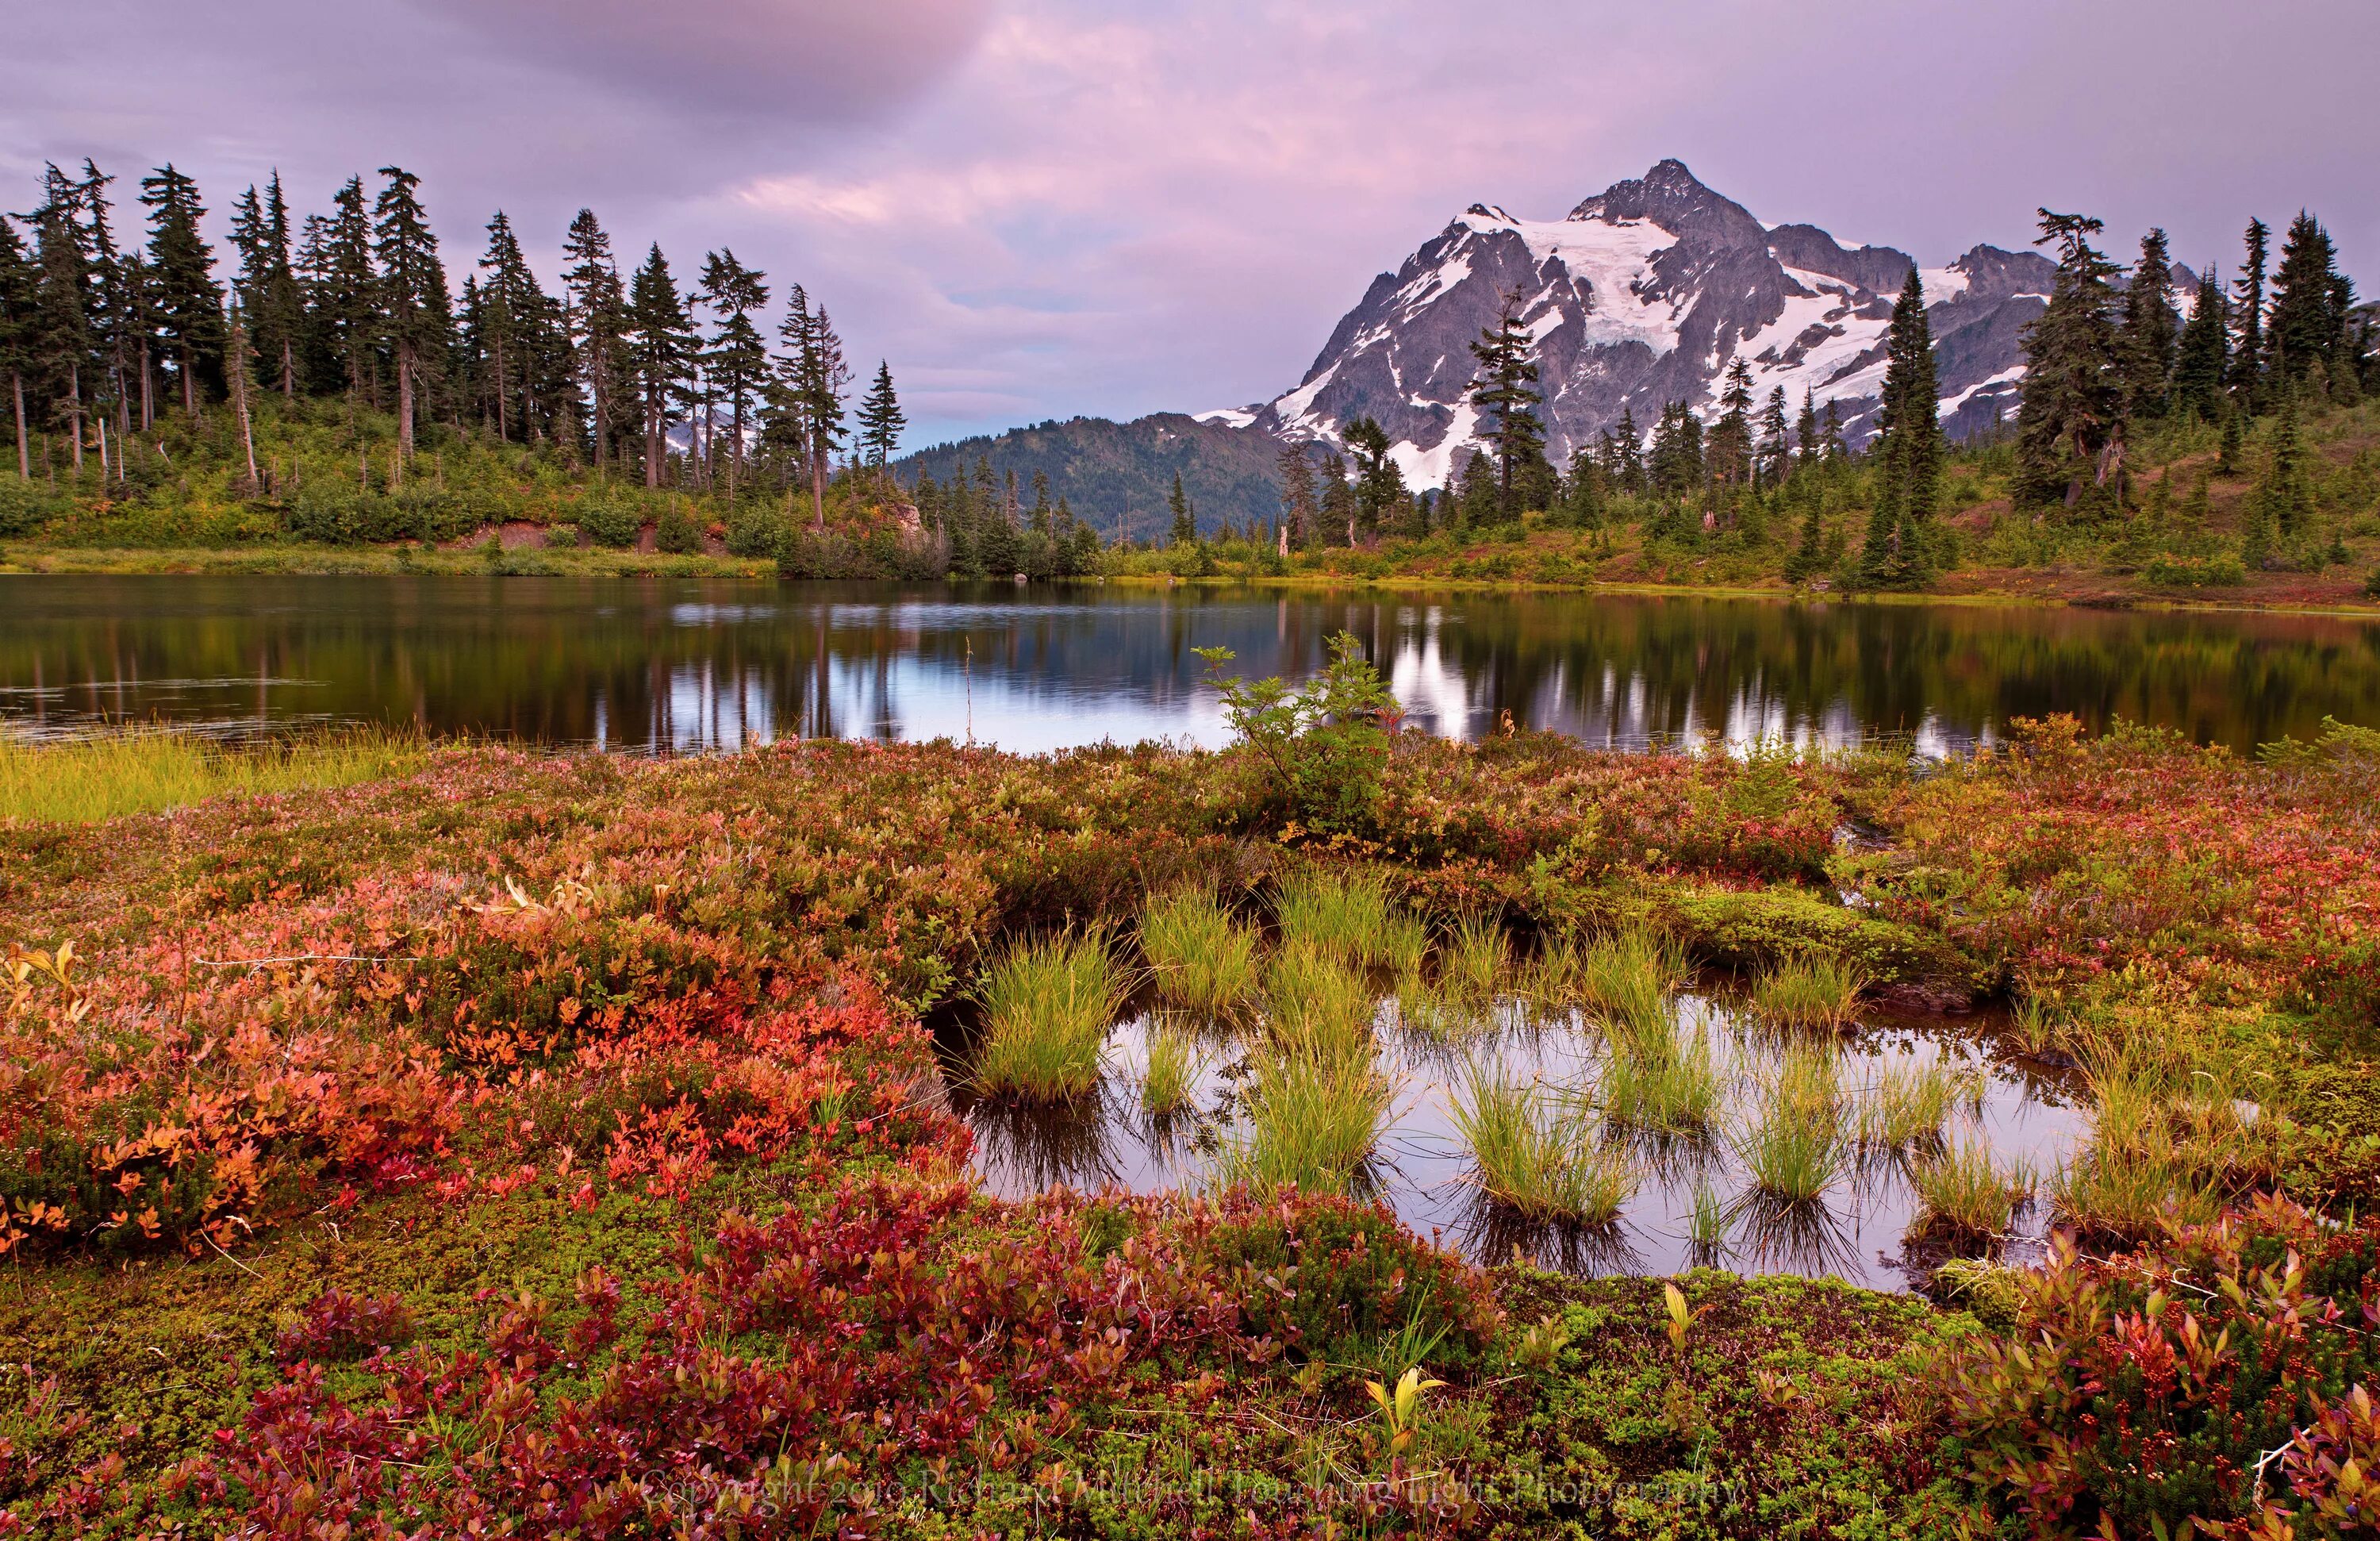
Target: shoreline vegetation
point(552, 1140)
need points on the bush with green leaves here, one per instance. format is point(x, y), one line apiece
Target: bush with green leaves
point(676, 531)
point(1320, 749)
point(611, 522)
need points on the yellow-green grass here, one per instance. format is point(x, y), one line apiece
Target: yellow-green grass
point(1538, 1162)
point(1626, 979)
point(1309, 1122)
point(1170, 1074)
point(1809, 992)
point(1912, 1100)
point(1201, 957)
point(1047, 1007)
point(1665, 1084)
point(1316, 1006)
point(1794, 1150)
point(1964, 1196)
point(152, 769)
point(1474, 959)
point(1350, 916)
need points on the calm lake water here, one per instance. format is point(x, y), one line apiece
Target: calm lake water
point(676, 665)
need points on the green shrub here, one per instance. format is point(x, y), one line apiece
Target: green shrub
point(25, 507)
point(611, 522)
point(676, 531)
point(1319, 752)
point(2195, 572)
point(753, 530)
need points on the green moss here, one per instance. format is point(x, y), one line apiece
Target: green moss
point(1756, 928)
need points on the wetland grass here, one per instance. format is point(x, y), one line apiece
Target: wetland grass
point(1626, 979)
point(1817, 992)
point(1201, 958)
point(1474, 959)
point(1668, 1085)
point(1965, 1197)
point(152, 769)
point(1047, 1007)
point(1352, 918)
point(1912, 1100)
point(1309, 1122)
point(1535, 1160)
point(1316, 1007)
point(1170, 1074)
point(1794, 1150)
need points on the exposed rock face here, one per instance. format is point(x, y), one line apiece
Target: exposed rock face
point(1643, 296)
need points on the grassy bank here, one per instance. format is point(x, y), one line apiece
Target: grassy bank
point(80, 782)
point(293, 558)
point(552, 1141)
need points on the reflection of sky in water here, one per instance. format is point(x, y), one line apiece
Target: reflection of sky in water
point(1424, 1170)
point(683, 665)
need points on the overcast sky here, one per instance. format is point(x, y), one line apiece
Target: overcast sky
point(1039, 208)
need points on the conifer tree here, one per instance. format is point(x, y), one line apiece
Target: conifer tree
point(416, 314)
point(16, 329)
point(2202, 357)
point(598, 306)
point(58, 340)
point(1728, 451)
point(1834, 448)
point(2307, 321)
point(1504, 393)
point(2247, 314)
point(346, 292)
point(737, 359)
point(1338, 499)
point(267, 285)
point(1185, 520)
point(1299, 511)
point(881, 421)
point(1379, 483)
point(1776, 449)
point(2284, 496)
point(1805, 430)
point(2150, 330)
point(1625, 461)
point(507, 311)
point(813, 378)
point(1908, 451)
point(2070, 422)
point(189, 301)
point(117, 292)
point(661, 351)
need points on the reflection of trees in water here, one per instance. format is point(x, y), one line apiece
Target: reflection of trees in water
point(660, 662)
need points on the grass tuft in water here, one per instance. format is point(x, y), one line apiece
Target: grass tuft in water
point(1794, 1150)
point(1201, 958)
point(1965, 1196)
point(1309, 1122)
point(1535, 1161)
point(1912, 1100)
point(1809, 992)
point(1171, 1073)
point(1352, 918)
point(1668, 1085)
point(1047, 1007)
point(1707, 1222)
point(1474, 959)
point(1626, 979)
point(152, 769)
point(1316, 1007)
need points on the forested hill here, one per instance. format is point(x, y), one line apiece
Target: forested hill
point(1117, 475)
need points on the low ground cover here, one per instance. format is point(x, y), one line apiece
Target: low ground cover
point(553, 1139)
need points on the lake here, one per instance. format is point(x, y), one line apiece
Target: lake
point(676, 665)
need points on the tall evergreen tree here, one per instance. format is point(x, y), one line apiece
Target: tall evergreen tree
point(662, 349)
point(17, 279)
point(269, 301)
point(881, 421)
point(1908, 451)
point(1186, 518)
point(737, 359)
point(416, 314)
point(2307, 321)
point(1299, 511)
point(1776, 447)
point(2150, 330)
point(1805, 429)
point(189, 301)
point(1379, 483)
point(1624, 461)
point(1728, 454)
point(118, 293)
point(815, 378)
point(59, 345)
point(347, 291)
point(2247, 315)
point(2203, 358)
point(2071, 422)
point(598, 306)
point(1504, 393)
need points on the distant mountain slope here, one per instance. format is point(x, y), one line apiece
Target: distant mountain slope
point(1641, 296)
point(1116, 476)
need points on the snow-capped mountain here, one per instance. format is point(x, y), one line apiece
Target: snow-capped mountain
point(1641, 297)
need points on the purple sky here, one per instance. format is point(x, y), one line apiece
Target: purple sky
point(1036, 208)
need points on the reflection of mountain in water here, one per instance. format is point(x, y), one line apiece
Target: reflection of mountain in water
point(683, 664)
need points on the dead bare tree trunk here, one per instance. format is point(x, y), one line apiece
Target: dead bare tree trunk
point(24, 445)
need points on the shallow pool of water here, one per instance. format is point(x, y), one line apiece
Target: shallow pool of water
point(1424, 1170)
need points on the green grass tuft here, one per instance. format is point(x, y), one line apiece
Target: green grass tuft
point(1309, 1122)
point(152, 769)
point(1352, 918)
point(1474, 959)
point(1542, 1165)
point(1809, 992)
point(1316, 1007)
point(1169, 1075)
point(1964, 1196)
point(1047, 1005)
point(1201, 958)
